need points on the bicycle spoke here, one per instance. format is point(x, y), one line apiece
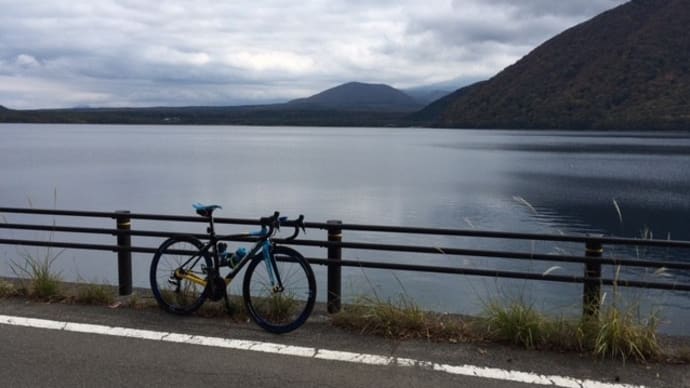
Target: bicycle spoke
point(283, 310)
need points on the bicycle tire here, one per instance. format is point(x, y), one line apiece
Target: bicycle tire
point(175, 295)
point(280, 312)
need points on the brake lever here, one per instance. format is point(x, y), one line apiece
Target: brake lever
point(300, 223)
point(276, 220)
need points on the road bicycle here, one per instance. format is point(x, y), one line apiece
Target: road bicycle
point(278, 290)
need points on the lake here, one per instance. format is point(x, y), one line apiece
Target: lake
point(619, 183)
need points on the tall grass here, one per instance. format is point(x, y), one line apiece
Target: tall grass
point(617, 333)
point(518, 323)
point(402, 319)
point(621, 334)
point(622, 331)
point(44, 283)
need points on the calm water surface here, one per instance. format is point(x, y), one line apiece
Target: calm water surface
point(626, 184)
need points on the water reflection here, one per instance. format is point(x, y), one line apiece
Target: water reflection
point(618, 206)
point(580, 148)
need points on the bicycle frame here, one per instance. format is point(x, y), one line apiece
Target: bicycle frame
point(279, 303)
point(263, 244)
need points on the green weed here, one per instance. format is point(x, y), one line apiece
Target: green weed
point(617, 334)
point(517, 323)
point(43, 284)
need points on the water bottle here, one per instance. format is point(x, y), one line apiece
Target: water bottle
point(223, 254)
point(239, 254)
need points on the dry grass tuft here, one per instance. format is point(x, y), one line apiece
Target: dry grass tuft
point(400, 320)
point(8, 289)
point(96, 294)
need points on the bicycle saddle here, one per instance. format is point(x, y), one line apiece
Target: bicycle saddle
point(205, 210)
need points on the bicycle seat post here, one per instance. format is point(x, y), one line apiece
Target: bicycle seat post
point(211, 230)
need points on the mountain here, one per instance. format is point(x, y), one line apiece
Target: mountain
point(8, 115)
point(627, 68)
point(427, 95)
point(433, 111)
point(358, 96)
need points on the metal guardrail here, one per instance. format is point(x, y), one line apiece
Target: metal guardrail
point(592, 259)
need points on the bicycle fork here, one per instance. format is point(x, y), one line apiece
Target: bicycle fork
point(272, 268)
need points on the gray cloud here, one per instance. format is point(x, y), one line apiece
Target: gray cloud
point(562, 8)
point(125, 52)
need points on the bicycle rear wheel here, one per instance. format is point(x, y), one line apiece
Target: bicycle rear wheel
point(280, 311)
point(173, 292)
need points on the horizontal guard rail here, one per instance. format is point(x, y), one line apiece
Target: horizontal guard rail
point(504, 274)
point(496, 254)
point(367, 228)
point(592, 259)
point(391, 266)
point(345, 263)
point(363, 246)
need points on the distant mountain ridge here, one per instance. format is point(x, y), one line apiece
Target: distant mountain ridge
point(627, 68)
point(435, 109)
point(351, 104)
point(426, 96)
point(354, 96)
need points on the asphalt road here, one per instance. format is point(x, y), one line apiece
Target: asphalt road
point(33, 357)
point(42, 358)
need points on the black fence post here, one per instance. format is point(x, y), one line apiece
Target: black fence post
point(124, 257)
point(334, 269)
point(591, 296)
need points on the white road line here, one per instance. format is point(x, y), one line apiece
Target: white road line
point(302, 351)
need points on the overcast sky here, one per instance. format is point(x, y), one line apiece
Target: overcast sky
point(143, 53)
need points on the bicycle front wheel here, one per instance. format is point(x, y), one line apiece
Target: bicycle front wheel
point(172, 273)
point(279, 310)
